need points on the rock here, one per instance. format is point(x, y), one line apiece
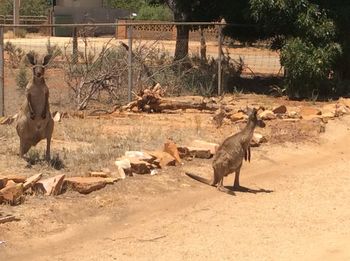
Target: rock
point(345, 101)
point(31, 181)
point(16, 178)
point(99, 174)
point(293, 115)
point(164, 158)
point(121, 172)
point(201, 153)
point(51, 186)
point(308, 112)
point(257, 139)
point(328, 115)
point(342, 109)
point(56, 116)
point(267, 115)
point(212, 147)
point(3, 182)
point(281, 109)
point(85, 185)
point(184, 152)
point(139, 155)
point(171, 148)
point(123, 163)
point(238, 116)
point(11, 193)
point(140, 166)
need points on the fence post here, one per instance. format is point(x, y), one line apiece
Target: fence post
point(130, 84)
point(219, 60)
point(75, 45)
point(2, 73)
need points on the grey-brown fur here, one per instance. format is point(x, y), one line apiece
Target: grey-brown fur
point(34, 121)
point(229, 157)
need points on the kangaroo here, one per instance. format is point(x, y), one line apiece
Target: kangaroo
point(34, 121)
point(230, 154)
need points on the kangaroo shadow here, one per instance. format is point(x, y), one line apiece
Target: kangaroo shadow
point(248, 190)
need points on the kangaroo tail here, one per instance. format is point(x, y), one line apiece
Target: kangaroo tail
point(200, 179)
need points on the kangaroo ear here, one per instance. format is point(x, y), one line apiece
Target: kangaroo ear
point(31, 58)
point(47, 59)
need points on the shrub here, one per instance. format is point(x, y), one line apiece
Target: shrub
point(22, 78)
point(155, 12)
point(309, 68)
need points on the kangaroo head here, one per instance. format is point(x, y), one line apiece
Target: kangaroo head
point(38, 69)
point(254, 117)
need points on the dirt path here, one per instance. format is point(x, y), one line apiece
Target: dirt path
point(300, 212)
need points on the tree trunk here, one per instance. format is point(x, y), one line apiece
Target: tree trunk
point(182, 38)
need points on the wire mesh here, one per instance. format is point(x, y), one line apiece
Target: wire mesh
point(91, 69)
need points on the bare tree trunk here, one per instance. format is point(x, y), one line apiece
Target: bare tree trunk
point(182, 38)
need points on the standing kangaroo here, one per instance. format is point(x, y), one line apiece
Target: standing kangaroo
point(230, 154)
point(34, 121)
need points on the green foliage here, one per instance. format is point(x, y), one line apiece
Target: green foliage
point(22, 78)
point(308, 36)
point(28, 7)
point(6, 7)
point(309, 67)
point(132, 5)
point(155, 12)
point(14, 53)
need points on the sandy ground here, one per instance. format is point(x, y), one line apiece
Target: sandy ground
point(299, 211)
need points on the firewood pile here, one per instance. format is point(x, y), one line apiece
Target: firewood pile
point(153, 100)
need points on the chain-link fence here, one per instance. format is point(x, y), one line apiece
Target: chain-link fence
point(94, 68)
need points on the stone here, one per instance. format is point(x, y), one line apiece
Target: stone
point(99, 174)
point(123, 163)
point(238, 116)
point(257, 139)
point(31, 181)
point(51, 186)
point(293, 115)
point(212, 147)
point(3, 182)
point(121, 172)
point(201, 153)
point(123, 167)
point(171, 148)
point(140, 166)
point(164, 158)
point(281, 109)
point(267, 115)
point(85, 185)
point(11, 193)
point(141, 155)
point(309, 112)
point(345, 101)
point(16, 178)
point(342, 109)
point(56, 116)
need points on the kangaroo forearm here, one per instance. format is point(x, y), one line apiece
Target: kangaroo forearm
point(46, 103)
point(29, 98)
